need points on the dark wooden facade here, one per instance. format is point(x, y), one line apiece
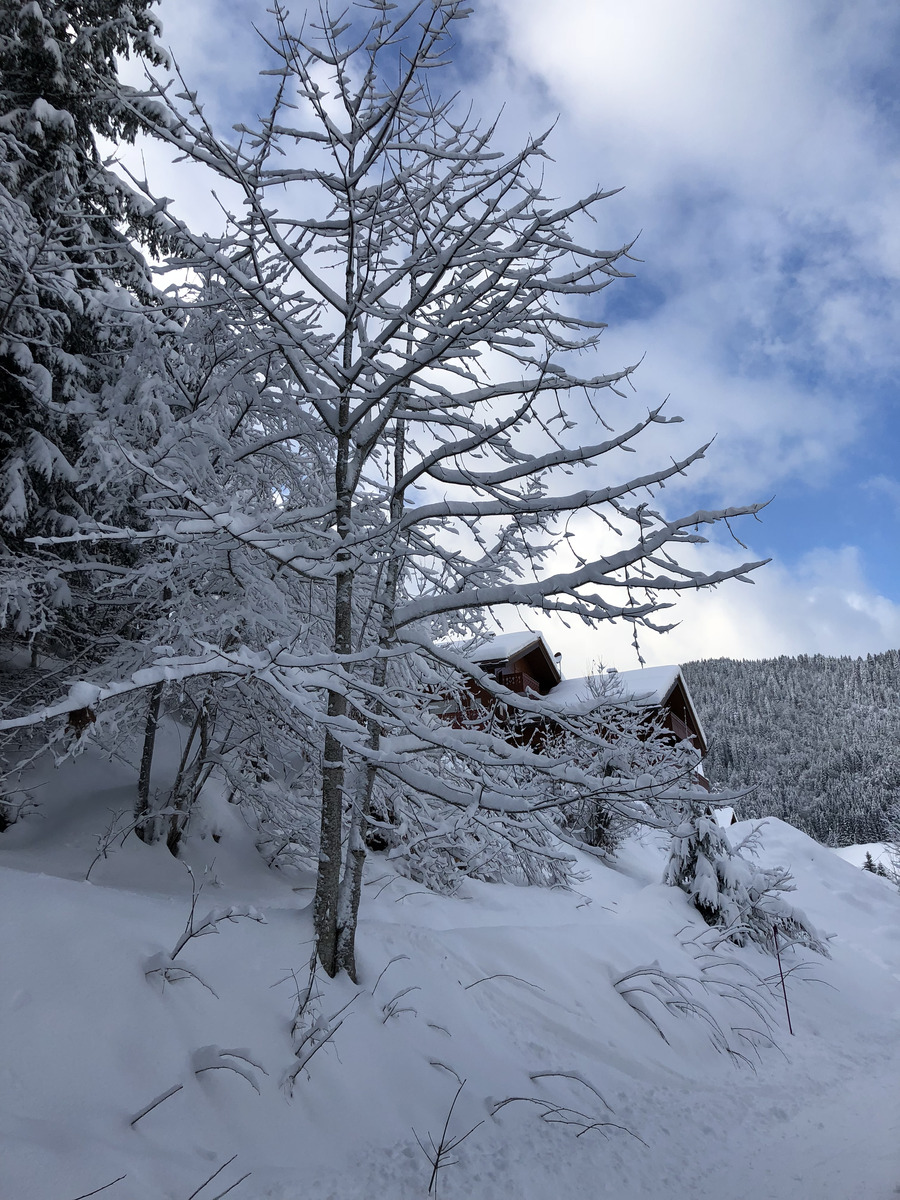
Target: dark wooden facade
point(526, 665)
point(531, 666)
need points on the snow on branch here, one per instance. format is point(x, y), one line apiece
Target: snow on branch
point(348, 442)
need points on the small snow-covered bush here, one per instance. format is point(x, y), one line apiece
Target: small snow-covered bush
point(893, 844)
point(729, 889)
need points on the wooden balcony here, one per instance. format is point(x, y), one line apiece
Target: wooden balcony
point(518, 681)
point(681, 731)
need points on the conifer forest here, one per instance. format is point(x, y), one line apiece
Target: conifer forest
point(813, 740)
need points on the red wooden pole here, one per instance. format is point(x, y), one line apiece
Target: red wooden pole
point(783, 988)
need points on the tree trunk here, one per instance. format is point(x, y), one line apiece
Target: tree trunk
point(328, 876)
point(146, 827)
point(351, 883)
point(351, 887)
point(188, 784)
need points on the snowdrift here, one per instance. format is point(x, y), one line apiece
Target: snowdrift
point(597, 1042)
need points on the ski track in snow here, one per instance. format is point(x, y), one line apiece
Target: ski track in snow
point(88, 1040)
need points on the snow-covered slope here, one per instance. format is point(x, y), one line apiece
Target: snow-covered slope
point(511, 990)
point(879, 851)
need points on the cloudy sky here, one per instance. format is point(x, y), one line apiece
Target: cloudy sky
point(757, 143)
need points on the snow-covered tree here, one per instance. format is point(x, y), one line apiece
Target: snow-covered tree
point(195, 399)
point(726, 886)
point(67, 265)
point(59, 92)
point(620, 765)
point(426, 311)
point(893, 841)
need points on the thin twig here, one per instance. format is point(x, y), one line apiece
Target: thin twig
point(391, 1010)
point(224, 1066)
point(443, 1066)
point(559, 1114)
point(233, 1186)
point(396, 958)
point(159, 1099)
point(577, 1077)
point(440, 1152)
point(517, 978)
point(85, 1195)
point(218, 1171)
point(783, 985)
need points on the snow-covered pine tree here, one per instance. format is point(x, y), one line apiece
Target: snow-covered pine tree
point(201, 401)
point(67, 266)
point(699, 859)
point(725, 885)
point(59, 93)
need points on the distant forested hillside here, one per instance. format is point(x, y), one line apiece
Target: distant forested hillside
point(820, 737)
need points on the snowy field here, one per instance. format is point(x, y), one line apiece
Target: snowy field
point(524, 996)
point(857, 854)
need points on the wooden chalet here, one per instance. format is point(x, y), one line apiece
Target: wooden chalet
point(520, 661)
point(661, 690)
point(525, 663)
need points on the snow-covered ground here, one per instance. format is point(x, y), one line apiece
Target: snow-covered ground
point(857, 854)
point(509, 990)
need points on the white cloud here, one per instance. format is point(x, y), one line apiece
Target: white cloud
point(754, 92)
point(756, 162)
point(767, 184)
point(823, 605)
point(767, 429)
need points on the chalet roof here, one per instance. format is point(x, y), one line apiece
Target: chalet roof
point(504, 646)
point(648, 687)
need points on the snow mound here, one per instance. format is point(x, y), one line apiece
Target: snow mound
point(596, 1043)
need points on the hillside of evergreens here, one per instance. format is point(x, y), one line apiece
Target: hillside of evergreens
point(817, 738)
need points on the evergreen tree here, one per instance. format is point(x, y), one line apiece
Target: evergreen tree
point(698, 862)
point(893, 840)
point(68, 267)
point(59, 92)
point(725, 885)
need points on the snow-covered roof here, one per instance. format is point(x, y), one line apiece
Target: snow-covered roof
point(646, 686)
point(650, 686)
point(505, 646)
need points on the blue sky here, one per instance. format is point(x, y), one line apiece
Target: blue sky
point(758, 145)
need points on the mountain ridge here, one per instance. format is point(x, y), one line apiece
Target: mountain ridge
point(816, 738)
